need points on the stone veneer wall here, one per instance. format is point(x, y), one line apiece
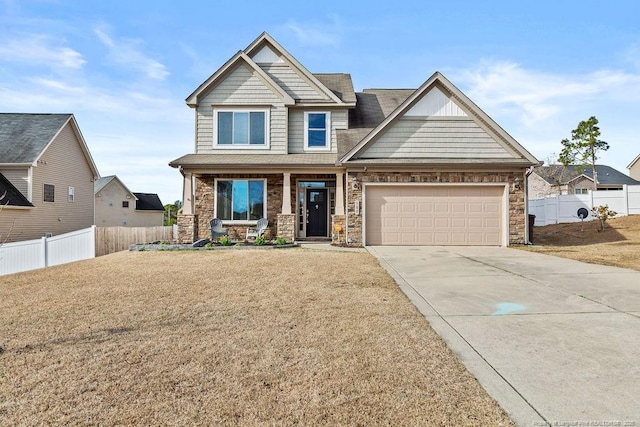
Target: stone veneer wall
point(205, 201)
point(516, 234)
point(287, 227)
point(186, 228)
point(338, 229)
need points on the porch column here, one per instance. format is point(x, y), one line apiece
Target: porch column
point(339, 194)
point(187, 195)
point(286, 193)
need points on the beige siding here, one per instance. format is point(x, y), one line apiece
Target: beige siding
point(64, 165)
point(339, 120)
point(241, 87)
point(109, 210)
point(296, 86)
point(634, 171)
point(538, 187)
point(111, 213)
point(19, 177)
point(412, 138)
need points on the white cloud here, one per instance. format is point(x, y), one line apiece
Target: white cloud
point(39, 49)
point(128, 52)
point(316, 33)
point(541, 108)
point(535, 97)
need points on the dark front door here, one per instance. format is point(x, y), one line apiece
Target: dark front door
point(317, 212)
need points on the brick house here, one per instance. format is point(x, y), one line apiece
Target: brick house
point(423, 166)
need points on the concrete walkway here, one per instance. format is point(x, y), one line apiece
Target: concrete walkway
point(554, 341)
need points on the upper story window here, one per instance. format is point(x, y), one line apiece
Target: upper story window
point(240, 128)
point(125, 203)
point(71, 194)
point(317, 131)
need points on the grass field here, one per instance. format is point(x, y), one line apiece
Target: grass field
point(278, 337)
point(617, 245)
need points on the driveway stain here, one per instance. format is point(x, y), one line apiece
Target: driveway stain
point(508, 308)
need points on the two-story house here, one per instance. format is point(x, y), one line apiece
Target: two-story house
point(319, 161)
point(46, 176)
point(116, 205)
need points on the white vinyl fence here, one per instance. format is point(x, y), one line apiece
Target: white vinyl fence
point(564, 208)
point(47, 251)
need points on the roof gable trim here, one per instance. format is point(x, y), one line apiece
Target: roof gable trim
point(265, 40)
point(238, 58)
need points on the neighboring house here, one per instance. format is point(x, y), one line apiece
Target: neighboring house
point(423, 166)
point(47, 172)
point(557, 179)
point(634, 168)
point(116, 205)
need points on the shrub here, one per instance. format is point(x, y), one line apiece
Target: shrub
point(603, 213)
point(260, 240)
point(281, 241)
point(225, 241)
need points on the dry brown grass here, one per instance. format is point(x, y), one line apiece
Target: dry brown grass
point(617, 245)
point(226, 338)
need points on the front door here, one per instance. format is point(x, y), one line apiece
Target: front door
point(317, 212)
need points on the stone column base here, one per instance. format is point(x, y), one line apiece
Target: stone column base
point(286, 227)
point(338, 230)
point(187, 228)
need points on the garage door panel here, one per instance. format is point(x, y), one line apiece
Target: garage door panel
point(434, 215)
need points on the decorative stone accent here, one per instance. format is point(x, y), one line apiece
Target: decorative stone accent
point(516, 221)
point(339, 229)
point(186, 228)
point(287, 227)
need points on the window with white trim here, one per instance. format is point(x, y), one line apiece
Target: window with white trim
point(240, 128)
point(241, 200)
point(71, 194)
point(317, 130)
point(581, 191)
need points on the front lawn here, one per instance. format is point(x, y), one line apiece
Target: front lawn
point(279, 337)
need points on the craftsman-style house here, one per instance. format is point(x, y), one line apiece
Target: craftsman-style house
point(379, 167)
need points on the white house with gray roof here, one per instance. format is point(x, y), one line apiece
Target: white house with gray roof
point(46, 176)
point(421, 166)
point(116, 205)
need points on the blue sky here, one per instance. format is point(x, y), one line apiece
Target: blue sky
point(124, 68)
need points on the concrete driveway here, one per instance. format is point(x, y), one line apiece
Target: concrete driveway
point(552, 340)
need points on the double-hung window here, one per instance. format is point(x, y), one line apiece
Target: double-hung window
point(317, 131)
point(240, 200)
point(241, 128)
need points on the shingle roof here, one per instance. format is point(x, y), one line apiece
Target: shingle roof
point(262, 160)
point(23, 137)
point(102, 182)
point(340, 84)
point(10, 195)
point(558, 174)
point(373, 105)
point(148, 202)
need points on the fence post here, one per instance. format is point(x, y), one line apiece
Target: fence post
point(45, 251)
point(625, 199)
point(590, 199)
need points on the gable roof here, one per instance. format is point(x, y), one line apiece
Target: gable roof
point(558, 174)
point(148, 202)
point(633, 162)
point(520, 155)
point(338, 88)
point(230, 65)
point(24, 137)
point(10, 195)
point(101, 183)
point(266, 39)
